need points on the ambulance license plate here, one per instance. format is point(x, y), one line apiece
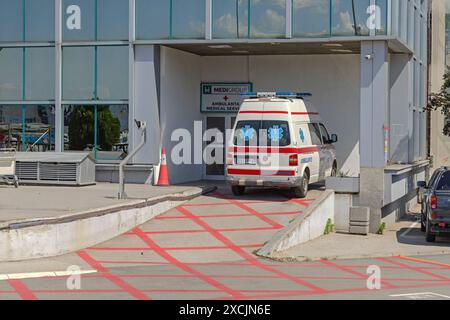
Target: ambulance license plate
point(247, 160)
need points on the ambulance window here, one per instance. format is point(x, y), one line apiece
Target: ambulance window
point(315, 134)
point(325, 135)
point(246, 133)
point(275, 133)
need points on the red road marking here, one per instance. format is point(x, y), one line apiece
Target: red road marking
point(404, 265)
point(252, 212)
point(163, 253)
point(359, 274)
point(22, 290)
point(113, 278)
point(243, 253)
point(204, 231)
point(250, 246)
point(264, 215)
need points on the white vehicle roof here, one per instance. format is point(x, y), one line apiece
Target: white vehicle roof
point(301, 109)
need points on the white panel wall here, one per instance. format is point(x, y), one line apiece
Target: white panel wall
point(334, 81)
point(180, 105)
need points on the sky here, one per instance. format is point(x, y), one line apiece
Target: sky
point(447, 4)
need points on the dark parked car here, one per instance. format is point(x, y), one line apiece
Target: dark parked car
point(435, 200)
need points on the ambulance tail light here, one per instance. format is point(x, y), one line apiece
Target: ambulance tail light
point(293, 160)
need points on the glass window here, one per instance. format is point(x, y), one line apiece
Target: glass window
point(267, 19)
point(112, 79)
point(275, 133)
point(350, 17)
point(112, 132)
point(311, 18)
point(40, 73)
point(39, 20)
point(325, 135)
point(79, 124)
point(11, 127)
point(112, 19)
point(230, 19)
point(11, 20)
point(11, 73)
point(188, 19)
point(78, 20)
point(314, 130)
point(444, 182)
point(246, 133)
point(104, 126)
point(152, 19)
point(78, 73)
point(382, 4)
point(40, 128)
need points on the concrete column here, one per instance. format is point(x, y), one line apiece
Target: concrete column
point(59, 144)
point(146, 102)
point(374, 117)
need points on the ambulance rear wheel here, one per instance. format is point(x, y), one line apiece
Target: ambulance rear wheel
point(302, 190)
point(238, 190)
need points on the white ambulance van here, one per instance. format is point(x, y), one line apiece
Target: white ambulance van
point(279, 140)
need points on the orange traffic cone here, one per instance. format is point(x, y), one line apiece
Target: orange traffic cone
point(163, 172)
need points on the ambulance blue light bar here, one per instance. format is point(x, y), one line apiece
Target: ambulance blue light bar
point(277, 94)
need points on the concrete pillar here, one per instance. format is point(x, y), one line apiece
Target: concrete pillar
point(374, 117)
point(146, 102)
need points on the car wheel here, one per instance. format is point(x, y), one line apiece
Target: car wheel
point(423, 227)
point(429, 236)
point(238, 190)
point(302, 190)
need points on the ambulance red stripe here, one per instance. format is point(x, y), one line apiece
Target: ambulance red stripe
point(278, 112)
point(267, 173)
point(275, 150)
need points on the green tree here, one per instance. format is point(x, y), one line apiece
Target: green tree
point(441, 100)
point(81, 128)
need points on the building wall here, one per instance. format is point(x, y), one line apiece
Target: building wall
point(180, 105)
point(440, 144)
point(332, 79)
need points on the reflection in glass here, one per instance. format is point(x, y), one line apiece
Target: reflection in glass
point(350, 17)
point(188, 19)
point(87, 14)
point(112, 79)
point(267, 19)
point(11, 73)
point(11, 127)
point(382, 4)
point(112, 19)
point(39, 20)
point(78, 73)
point(311, 18)
point(40, 73)
point(112, 139)
point(101, 130)
point(152, 19)
point(40, 128)
point(226, 14)
point(79, 124)
point(11, 20)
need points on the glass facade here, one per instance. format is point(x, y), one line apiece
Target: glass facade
point(94, 54)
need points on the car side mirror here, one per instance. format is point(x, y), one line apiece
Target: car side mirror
point(334, 138)
point(422, 184)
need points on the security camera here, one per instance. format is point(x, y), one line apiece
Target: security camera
point(140, 124)
point(369, 56)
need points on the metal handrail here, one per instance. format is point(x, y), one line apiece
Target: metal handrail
point(143, 127)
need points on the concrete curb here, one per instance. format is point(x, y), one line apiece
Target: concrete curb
point(39, 238)
point(285, 258)
point(306, 226)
